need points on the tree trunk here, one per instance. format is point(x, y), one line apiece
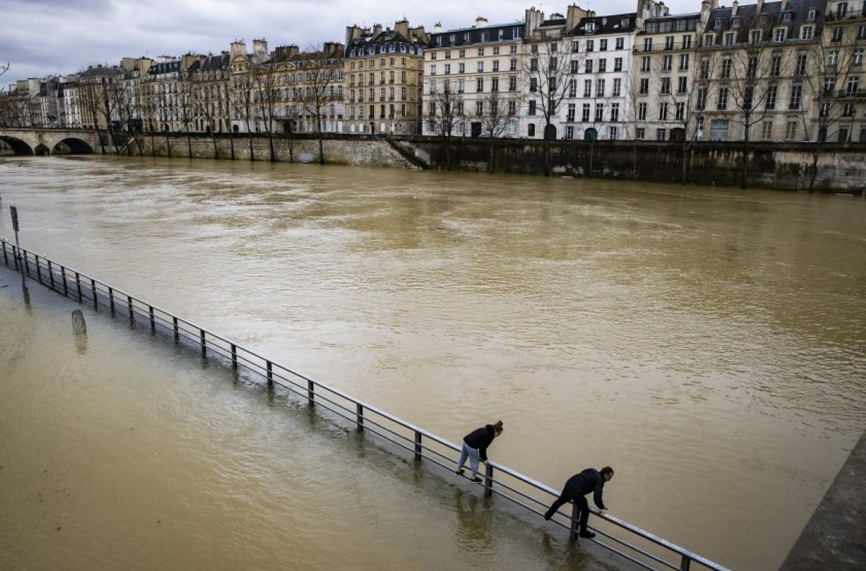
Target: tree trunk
point(168, 144)
point(634, 161)
point(745, 157)
point(448, 151)
point(152, 145)
point(250, 139)
point(546, 157)
point(188, 144)
point(490, 166)
point(271, 143)
point(232, 142)
point(216, 153)
point(321, 144)
point(591, 157)
point(685, 164)
point(813, 172)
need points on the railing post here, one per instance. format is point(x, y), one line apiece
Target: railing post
point(417, 445)
point(488, 480)
point(5, 257)
point(78, 284)
point(15, 257)
point(234, 356)
point(176, 330)
point(111, 299)
point(65, 284)
point(26, 263)
point(575, 520)
point(685, 563)
point(152, 320)
point(95, 296)
point(131, 314)
point(203, 344)
point(311, 393)
point(270, 368)
point(38, 268)
point(359, 416)
point(51, 275)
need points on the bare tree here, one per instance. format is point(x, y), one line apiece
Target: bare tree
point(751, 73)
point(498, 113)
point(126, 104)
point(444, 112)
point(833, 93)
point(322, 69)
point(147, 99)
point(186, 106)
point(548, 71)
point(205, 105)
point(686, 98)
point(265, 85)
point(243, 101)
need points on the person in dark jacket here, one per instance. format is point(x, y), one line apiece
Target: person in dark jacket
point(590, 480)
point(475, 447)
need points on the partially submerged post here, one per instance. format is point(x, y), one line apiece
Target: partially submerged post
point(79, 329)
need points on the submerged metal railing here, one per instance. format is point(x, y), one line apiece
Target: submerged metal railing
point(635, 545)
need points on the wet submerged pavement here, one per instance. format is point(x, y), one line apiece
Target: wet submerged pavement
point(706, 343)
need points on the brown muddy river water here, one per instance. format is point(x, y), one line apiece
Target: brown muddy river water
point(709, 344)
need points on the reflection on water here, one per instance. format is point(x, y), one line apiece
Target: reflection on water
point(707, 343)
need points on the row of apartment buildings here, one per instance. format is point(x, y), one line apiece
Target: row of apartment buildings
point(790, 70)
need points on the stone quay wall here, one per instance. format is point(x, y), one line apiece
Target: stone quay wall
point(784, 166)
point(357, 150)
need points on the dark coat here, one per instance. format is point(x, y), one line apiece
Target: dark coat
point(589, 480)
point(480, 439)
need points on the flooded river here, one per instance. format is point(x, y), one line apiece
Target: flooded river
point(709, 344)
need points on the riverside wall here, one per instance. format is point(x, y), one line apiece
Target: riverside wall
point(782, 166)
point(841, 167)
point(359, 151)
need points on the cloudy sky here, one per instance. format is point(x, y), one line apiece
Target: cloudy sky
point(44, 37)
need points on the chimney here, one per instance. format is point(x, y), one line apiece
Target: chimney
point(402, 28)
point(532, 20)
point(260, 50)
point(734, 8)
point(238, 49)
point(573, 16)
point(377, 29)
point(480, 22)
point(784, 5)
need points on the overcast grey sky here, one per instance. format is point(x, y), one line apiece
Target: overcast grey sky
point(44, 37)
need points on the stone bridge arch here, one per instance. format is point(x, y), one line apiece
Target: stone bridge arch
point(50, 141)
point(18, 146)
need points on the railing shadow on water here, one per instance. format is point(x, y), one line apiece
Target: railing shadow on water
point(630, 542)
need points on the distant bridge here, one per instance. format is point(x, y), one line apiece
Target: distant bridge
point(41, 141)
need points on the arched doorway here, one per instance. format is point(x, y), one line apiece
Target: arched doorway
point(678, 134)
point(41, 150)
point(591, 134)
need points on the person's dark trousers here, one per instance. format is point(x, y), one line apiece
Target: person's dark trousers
point(566, 496)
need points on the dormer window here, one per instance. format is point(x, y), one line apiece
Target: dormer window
point(718, 24)
point(763, 19)
point(756, 37)
point(590, 27)
point(780, 34)
point(624, 23)
point(729, 38)
point(786, 16)
point(806, 32)
point(812, 14)
point(709, 39)
point(735, 22)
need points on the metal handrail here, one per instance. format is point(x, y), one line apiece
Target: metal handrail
point(93, 291)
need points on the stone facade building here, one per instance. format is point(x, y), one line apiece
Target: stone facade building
point(481, 66)
point(383, 70)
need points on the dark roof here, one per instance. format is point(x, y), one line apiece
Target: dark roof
point(605, 25)
point(212, 63)
point(166, 67)
point(750, 19)
point(469, 36)
point(388, 41)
